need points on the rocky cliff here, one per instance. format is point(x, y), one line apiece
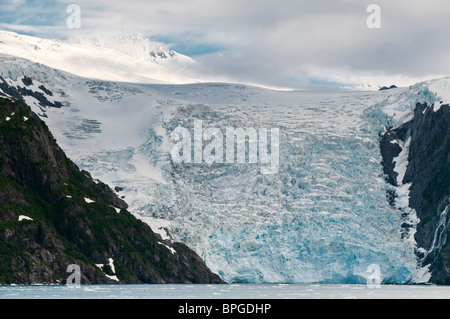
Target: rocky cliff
point(53, 215)
point(428, 171)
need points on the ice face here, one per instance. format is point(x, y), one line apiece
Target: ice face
point(323, 216)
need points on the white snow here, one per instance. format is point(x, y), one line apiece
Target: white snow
point(122, 57)
point(400, 106)
point(88, 200)
point(103, 59)
point(116, 209)
point(25, 118)
point(441, 88)
point(24, 217)
point(401, 161)
point(158, 226)
point(402, 191)
point(31, 101)
point(113, 269)
point(169, 248)
point(111, 264)
point(422, 275)
point(8, 118)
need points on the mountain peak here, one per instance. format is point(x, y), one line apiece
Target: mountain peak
point(133, 44)
point(121, 57)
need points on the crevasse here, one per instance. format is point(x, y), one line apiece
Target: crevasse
point(323, 217)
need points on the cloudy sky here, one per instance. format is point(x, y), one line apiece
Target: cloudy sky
point(285, 43)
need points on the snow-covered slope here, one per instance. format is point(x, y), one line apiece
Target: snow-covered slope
point(117, 57)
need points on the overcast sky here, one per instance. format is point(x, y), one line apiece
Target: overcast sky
point(285, 43)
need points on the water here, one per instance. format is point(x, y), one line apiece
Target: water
point(232, 291)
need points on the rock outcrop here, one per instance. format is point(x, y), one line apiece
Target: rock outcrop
point(428, 171)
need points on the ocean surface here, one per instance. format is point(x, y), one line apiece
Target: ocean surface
point(230, 291)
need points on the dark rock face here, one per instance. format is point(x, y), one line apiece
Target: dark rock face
point(74, 220)
point(391, 150)
point(387, 88)
point(429, 172)
point(119, 203)
point(19, 92)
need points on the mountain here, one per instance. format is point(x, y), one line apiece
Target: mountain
point(125, 57)
point(334, 202)
point(416, 158)
point(53, 215)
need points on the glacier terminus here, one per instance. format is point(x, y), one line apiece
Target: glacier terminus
point(321, 215)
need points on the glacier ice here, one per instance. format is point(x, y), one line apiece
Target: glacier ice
point(323, 217)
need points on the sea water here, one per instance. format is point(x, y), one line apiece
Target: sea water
point(230, 291)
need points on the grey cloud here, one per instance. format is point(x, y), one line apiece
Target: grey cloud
point(273, 41)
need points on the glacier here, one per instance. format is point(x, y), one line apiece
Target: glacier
point(324, 217)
